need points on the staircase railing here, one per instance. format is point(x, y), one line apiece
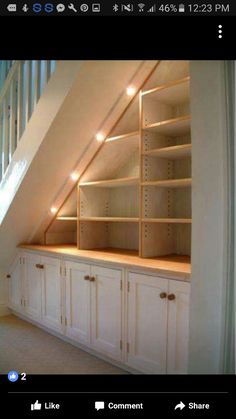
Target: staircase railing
point(20, 93)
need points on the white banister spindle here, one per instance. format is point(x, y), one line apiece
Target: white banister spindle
point(1, 141)
point(12, 127)
point(19, 101)
point(47, 70)
point(20, 90)
point(36, 82)
point(28, 72)
point(5, 155)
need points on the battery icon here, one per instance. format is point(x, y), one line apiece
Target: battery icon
point(181, 8)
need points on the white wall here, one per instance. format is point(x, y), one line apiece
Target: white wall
point(209, 215)
point(3, 294)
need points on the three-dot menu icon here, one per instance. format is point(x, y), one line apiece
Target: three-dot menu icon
point(220, 31)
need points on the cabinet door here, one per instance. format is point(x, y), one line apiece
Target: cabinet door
point(33, 286)
point(78, 301)
point(147, 323)
point(178, 327)
point(51, 292)
point(16, 285)
point(106, 310)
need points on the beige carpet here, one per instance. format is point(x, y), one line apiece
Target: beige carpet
point(26, 348)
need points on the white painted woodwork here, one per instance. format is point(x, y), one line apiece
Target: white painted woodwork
point(16, 284)
point(147, 323)
point(85, 302)
point(178, 328)
point(106, 303)
point(77, 301)
point(51, 292)
point(32, 286)
point(210, 130)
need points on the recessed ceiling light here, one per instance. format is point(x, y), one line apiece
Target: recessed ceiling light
point(74, 176)
point(100, 136)
point(53, 210)
point(130, 91)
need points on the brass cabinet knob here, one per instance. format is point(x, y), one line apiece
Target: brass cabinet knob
point(86, 277)
point(163, 295)
point(92, 278)
point(171, 297)
point(39, 266)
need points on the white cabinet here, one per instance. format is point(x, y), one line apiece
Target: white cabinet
point(35, 288)
point(51, 292)
point(78, 301)
point(158, 312)
point(32, 286)
point(147, 323)
point(178, 327)
point(139, 319)
point(106, 304)
point(93, 307)
point(16, 285)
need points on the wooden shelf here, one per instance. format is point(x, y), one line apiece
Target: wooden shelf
point(112, 183)
point(171, 93)
point(131, 136)
point(172, 127)
point(111, 219)
point(170, 183)
point(168, 220)
point(175, 152)
point(62, 218)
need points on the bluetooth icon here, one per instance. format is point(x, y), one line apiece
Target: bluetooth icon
point(115, 7)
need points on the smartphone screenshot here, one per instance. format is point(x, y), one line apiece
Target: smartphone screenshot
point(117, 208)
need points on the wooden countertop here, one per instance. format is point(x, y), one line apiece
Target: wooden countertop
point(176, 266)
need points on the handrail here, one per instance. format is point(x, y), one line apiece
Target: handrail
point(19, 95)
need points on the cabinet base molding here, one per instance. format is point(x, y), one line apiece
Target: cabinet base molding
point(72, 342)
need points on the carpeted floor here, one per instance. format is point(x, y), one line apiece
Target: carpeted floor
point(26, 348)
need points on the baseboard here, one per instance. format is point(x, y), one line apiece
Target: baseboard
point(4, 310)
point(74, 343)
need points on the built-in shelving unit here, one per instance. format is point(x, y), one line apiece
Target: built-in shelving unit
point(135, 195)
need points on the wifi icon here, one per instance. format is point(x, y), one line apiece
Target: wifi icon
point(141, 7)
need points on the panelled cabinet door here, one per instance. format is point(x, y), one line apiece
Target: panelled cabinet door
point(147, 323)
point(178, 327)
point(78, 301)
point(51, 292)
point(33, 285)
point(16, 285)
point(106, 310)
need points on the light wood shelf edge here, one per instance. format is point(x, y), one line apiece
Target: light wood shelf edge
point(111, 219)
point(167, 122)
point(122, 137)
point(112, 182)
point(166, 86)
point(169, 183)
point(65, 218)
point(167, 220)
point(177, 151)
